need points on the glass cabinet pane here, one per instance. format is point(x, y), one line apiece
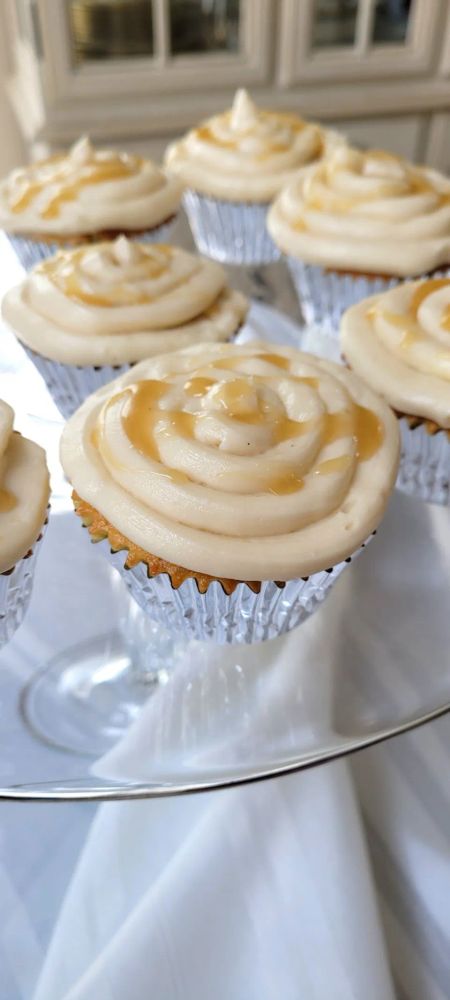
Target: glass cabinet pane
point(334, 23)
point(110, 29)
point(390, 22)
point(204, 26)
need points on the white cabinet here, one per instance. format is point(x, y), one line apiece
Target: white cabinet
point(136, 72)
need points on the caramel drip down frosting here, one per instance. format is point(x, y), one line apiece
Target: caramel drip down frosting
point(400, 343)
point(369, 212)
point(24, 491)
point(244, 463)
point(117, 302)
point(87, 191)
point(247, 153)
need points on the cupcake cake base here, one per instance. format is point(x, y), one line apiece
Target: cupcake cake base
point(201, 607)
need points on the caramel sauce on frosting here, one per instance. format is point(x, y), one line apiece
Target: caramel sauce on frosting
point(399, 342)
point(248, 153)
point(87, 191)
point(248, 463)
point(365, 212)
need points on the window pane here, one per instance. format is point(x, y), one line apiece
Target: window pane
point(204, 26)
point(110, 29)
point(334, 23)
point(390, 23)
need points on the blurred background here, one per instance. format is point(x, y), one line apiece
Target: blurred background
point(134, 73)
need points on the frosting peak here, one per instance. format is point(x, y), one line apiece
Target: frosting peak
point(244, 114)
point(82, 151)
point(237, 462)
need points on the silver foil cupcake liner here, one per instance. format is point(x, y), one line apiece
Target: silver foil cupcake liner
point(69, 385)
point(15, 591)
point(241, 617)
point(230, 232)
point(325, 295)
point(31, 252)
point(425, 463)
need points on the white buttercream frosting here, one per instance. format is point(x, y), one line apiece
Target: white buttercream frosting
point(246, 153)
point(87, 191)
point(370, 212)
point(24, 491)
point(249, 462)
point(118, 302)
point(400, 343)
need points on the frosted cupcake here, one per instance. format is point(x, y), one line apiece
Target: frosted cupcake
point(232, 483)
point(85, 315)
point(24, 493)
point(356, 224)
point(399, 342)
point(83, 196)
point(232, 167)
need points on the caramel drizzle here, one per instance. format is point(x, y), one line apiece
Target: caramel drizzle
point(237, 398)
point(415, 181)
point(70, 179)
point(7, 501)
point(409, 322)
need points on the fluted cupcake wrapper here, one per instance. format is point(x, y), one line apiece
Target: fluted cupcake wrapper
point(325, 295)
point(30, 252)
point(241, 617)
point(425, 463)
point(230, 232)
point(15, 591)
point(69, 385)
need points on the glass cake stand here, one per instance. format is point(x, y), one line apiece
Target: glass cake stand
point(371, 663)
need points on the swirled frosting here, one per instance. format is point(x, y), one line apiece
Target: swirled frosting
point(87, 191)
point(248, 463)
point(24, 491)
point(400, 343)
point(365, 211)
point(247, 153)
point(118, 302)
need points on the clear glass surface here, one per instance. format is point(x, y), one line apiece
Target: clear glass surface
point(334, 23)
point(370, 663)
point(390, 21)
point(203, 26)
point(110, 29)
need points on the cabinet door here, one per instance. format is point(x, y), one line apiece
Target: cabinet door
point(342, 40)
point(114, 48)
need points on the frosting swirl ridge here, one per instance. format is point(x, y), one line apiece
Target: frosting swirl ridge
point(121, 301)
point(239, 462)
point(247, 153)
point(400, 343)
point(87, 191)
point(365, 211)
point(24, 491)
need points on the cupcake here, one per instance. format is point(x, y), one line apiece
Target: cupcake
point(232, 167)
point(356, 224)
point(84, 196)
point(84, 315)
point(232, 483)
point(399, 342)
point(24, 493)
